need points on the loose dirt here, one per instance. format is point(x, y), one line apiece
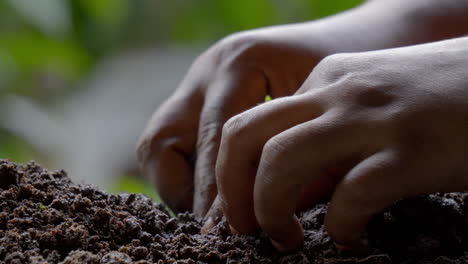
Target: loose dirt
point(44, 217)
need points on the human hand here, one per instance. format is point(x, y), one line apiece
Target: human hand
point(399, 115)
point(178, 148)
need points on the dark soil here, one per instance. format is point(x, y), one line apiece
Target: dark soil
point(44, 217)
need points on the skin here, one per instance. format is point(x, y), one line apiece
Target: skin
point(404, 122)
point(348, 126)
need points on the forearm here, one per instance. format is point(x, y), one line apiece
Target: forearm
point(381, 24)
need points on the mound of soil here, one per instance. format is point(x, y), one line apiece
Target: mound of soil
point(44, 217)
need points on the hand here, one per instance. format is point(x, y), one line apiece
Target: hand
point(178, 149)
point(179, 146)
point(400, 116)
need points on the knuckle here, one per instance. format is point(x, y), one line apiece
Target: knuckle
point(158, 133)
point(143, 150)
point(154, 142)
point(333, 67)
point(334, 59)
point(348, 73)
point(238, 48)
point(235, 129)
point(353, 79)
point(274, 153)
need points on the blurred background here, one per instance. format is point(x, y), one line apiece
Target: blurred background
point(79, 78)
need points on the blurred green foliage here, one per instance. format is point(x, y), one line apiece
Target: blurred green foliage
point(48, 47)
point(14, 148)
point(131, 184)
point(211, 19)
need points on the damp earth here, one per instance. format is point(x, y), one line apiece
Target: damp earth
point(46, 218)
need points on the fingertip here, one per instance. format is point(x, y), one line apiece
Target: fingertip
point(279, 246)
point(346, 236)
point(233, 230)
point(288, 238)
point(345, 233)
point(208, 225)
point(213, 217)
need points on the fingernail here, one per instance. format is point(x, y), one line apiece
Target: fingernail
point(209, 223)
point(233, 230)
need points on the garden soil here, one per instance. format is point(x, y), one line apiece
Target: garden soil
point(45, 218)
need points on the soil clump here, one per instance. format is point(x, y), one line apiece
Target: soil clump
point(44, 217)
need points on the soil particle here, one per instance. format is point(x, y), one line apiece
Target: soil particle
point(45, 218)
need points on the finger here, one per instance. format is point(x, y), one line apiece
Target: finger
point(311, 194)
point(371, 186)
point(322, 188)
point(214, 216)
point(294, 159)
point(241, 145)
point(167, 146)
point(228, 95)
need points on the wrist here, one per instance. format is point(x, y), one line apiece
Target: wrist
point(382, 24)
